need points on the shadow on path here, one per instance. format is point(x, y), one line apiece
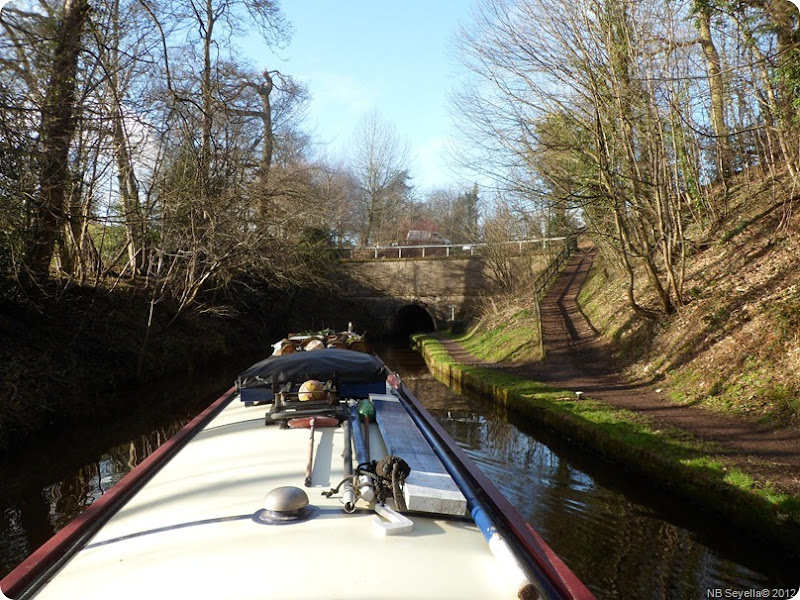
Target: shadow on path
point(578, 359)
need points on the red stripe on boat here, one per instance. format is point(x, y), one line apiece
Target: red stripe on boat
point(558, 573)
point(104, 507)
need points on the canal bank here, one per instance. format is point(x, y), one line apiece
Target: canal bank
point(709, 474)
point(625, 538)
point(64, 360)
point(65, 357)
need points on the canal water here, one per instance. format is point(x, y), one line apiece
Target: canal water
point(621, 535)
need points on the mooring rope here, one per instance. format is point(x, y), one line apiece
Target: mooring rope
point(388, 476)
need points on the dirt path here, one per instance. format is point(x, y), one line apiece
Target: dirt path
point(579, 360)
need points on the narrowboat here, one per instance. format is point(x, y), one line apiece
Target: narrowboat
point(318, 475)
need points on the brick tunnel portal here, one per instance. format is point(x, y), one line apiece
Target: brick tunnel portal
point(410, 319)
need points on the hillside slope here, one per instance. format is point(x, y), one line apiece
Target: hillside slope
point(735, 346)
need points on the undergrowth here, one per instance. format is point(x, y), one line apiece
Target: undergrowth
point(61, 358)
point(734, 347)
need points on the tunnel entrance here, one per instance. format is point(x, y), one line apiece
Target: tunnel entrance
point(412, 318)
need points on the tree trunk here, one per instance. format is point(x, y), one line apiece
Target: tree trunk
point(264, 90)
point(623, 237)
point(788, 52)
point(772, 110)
point(788, 38)
point(129, 197)
point(207, 103)
point(56, 133)
point(126, 176)
point(716, 88)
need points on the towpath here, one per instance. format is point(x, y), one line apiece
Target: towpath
point(578, 359)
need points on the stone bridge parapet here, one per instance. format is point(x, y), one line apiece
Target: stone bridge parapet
point(387, 291)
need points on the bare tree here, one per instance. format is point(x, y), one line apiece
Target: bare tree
point(380, 167)
point(56, 132)
point(20, 97)
point(718, 97)
point(593, 108)
point(335, 188)
point(499, 255)
point(456, 213)
point(279, 102)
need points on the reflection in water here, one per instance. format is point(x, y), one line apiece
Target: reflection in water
point(624, 538)
point(52, 480)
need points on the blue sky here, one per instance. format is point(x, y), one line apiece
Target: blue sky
point(394, 57)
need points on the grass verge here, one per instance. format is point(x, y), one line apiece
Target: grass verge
point(672, 458)
point(507, 334)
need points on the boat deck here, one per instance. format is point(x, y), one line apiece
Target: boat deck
point(190, 532)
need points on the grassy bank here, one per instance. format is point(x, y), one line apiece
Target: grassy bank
point(734, 347)
point(669, 457)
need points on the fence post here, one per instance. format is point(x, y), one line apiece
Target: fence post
point(539, 322)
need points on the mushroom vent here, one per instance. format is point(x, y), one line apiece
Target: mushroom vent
point(285, 504)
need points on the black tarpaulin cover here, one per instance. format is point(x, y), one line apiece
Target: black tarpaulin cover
point(348, 366)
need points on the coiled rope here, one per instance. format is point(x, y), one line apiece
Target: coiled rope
point(388, 476)
point(392, 470)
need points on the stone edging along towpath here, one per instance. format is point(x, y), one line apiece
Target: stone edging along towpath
point(673, 459)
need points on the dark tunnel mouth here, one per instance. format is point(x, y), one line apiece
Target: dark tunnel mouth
point(411, 319)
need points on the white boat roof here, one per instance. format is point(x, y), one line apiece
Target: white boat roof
point(189, 532)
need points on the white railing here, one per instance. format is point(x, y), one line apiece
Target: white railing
point(440, 250)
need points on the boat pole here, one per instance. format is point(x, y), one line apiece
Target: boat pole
point(532, 579)
point(365, 489)
point(348, 495)
point(310, 462)
point(311, 423)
